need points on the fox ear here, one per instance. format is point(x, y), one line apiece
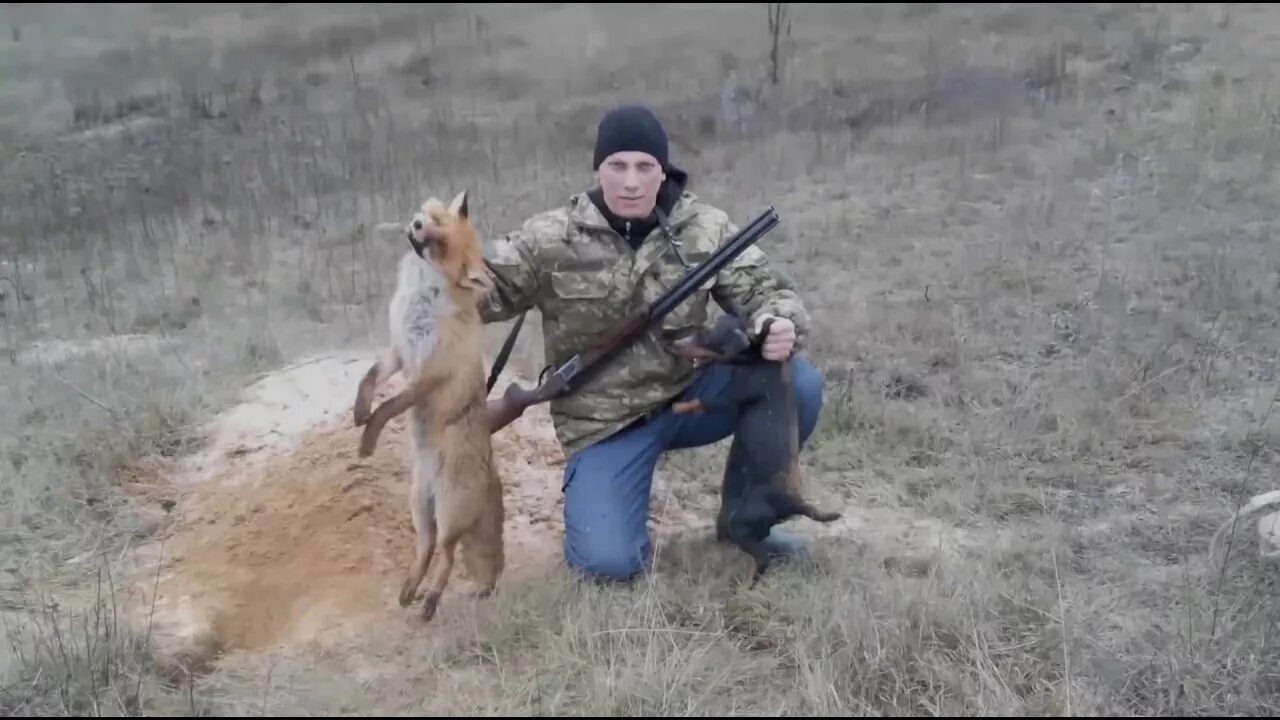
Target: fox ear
point(459, 205)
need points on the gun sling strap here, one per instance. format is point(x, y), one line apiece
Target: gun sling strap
point(501, 361)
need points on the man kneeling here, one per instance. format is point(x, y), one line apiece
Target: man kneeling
point(595, 260)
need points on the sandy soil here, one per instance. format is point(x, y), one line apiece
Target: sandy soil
point(283, 535)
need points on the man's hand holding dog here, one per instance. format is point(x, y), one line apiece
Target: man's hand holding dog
point(781, 339)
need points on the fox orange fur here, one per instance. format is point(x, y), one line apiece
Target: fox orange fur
point(456, 495)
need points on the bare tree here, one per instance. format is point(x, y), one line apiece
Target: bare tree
point(779, 20)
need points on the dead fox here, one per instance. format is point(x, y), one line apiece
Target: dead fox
point(456, 494)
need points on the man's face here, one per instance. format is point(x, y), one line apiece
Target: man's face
point(630, 181)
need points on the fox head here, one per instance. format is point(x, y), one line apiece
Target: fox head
point(444, 236)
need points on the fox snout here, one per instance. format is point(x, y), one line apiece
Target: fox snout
point(430, 237)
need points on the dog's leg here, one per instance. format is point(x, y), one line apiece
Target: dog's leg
point(748, 525)
point(388, 364)
point(759, 551)
point(722, 521)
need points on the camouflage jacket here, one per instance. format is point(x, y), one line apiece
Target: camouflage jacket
point(584, 278)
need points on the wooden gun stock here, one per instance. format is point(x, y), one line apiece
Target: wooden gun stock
point(503, 410)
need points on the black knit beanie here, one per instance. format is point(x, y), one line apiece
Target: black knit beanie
point(627, 128)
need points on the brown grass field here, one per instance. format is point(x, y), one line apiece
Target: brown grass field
point(1035, 245)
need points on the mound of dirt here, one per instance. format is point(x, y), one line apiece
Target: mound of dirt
point(284, 535)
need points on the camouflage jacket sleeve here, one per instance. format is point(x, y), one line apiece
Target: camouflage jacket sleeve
point(751, 288)
point(510, 263)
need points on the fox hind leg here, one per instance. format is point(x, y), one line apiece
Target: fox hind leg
point(448, 547)
point(422, 506)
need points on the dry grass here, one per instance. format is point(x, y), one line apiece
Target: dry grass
point(1035, 243)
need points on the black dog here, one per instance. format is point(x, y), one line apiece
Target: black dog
point(762, 477)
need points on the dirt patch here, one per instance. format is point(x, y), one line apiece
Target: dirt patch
point(320, 540)
point(283, 535)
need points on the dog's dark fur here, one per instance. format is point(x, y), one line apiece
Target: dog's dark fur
point(762, 478)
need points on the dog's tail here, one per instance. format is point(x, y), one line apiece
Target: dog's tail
point(789, 505)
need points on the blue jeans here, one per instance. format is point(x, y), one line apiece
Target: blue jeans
point(606, 485)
